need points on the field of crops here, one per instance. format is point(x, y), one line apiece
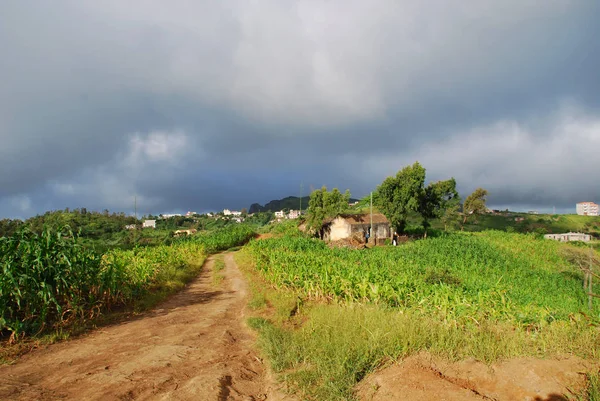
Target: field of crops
point(461, 277)
point(49, 280)
point(223, 238)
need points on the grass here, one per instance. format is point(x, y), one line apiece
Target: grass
point(464, 277)
point(218, 266)
point(488, 296)
point(592, 390)
point(337, 345)
point(52, 287)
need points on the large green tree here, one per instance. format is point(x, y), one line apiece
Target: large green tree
point(323, 204)
point(436, 200)
point(475, 204)
point(397, 196)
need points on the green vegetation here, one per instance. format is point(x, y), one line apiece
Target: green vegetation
point(405, 193)
point(538, 223)
point(50, 280)
point(221, 239)
point(397, 196)
point(288, 203)
point(475, 204)
point(327, 317)
point(324, 204)
point(439, 200)
point(461, 276)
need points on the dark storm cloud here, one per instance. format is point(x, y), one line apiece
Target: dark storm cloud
point(195, 105)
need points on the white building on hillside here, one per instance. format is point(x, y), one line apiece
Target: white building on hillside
point(293, 214)
point(566, 237)
point(168, 216)
point(587, 209)
point(227, 212)
point(149, 224)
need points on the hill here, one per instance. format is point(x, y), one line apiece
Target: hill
point(291, 202)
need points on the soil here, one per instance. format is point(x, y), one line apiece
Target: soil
point(194, 346)
point(423, 377)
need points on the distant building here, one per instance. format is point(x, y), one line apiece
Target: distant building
point(149, 224)
point(190, 214)
point(168, 216)
point(293, 214)
point(280, 214)
point(566, 237)
point(130, 227)
point(190, 231)
point(533, 212)
point(227, 212)
point(357, 226)
point(587, 209)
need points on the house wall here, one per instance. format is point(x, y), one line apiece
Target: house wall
point(382, 230)
point(339, 229)
point(587, 209)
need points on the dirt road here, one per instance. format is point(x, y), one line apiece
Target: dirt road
point(192, 347)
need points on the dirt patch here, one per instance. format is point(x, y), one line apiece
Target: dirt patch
point(194, 346)
point(423, 377)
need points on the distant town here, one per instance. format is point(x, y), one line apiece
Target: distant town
point(231, 215)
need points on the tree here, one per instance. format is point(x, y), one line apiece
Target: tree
point(475, 204)
point(451, 217)
point(399, 195)
point(323, 204)
point(436, 199)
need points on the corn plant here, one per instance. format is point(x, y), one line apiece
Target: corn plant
point(463, 277)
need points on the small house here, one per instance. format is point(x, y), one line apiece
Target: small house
point(566, 237)
point(356, 226)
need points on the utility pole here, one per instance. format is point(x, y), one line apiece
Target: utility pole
point(135, 224)
point(300, 198)
point(371, 229)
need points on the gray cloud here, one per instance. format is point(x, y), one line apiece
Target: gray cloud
point(203, 105)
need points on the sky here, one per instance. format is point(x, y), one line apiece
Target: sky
point(200, 106)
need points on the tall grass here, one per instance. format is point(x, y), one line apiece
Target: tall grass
point(49, 280)
point(470, 277)
point(221, 239)
point(488, 295)
point(45, 278)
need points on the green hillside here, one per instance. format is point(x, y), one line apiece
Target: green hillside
point(290, 203)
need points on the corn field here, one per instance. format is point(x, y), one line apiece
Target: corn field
point(461, 277)
point(221, 239)
point(50, 279)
